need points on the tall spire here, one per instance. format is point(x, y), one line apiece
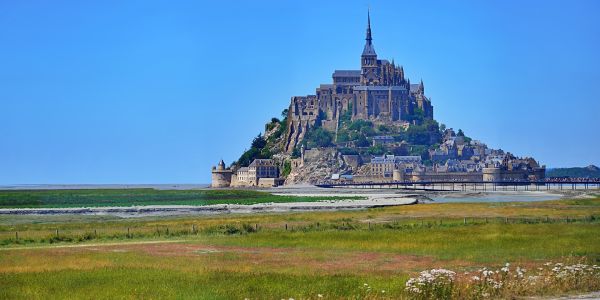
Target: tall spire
point(369, 50)
point(369, 38)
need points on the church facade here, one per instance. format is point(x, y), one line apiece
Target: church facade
point(378, 92)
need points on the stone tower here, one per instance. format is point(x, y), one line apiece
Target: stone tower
point(221, 176)
point(368, 59)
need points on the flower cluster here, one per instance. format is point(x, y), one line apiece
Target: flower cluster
point(505, 281)
point(432, 284)
point(492, 283)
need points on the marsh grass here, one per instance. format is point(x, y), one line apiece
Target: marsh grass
point(255, 257)
point(138, 197)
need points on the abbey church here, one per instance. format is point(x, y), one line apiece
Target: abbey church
point(378, 92)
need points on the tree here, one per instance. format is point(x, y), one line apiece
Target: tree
point(362, 141)
point(377, 150)
point(382, 128)
point(257, 150)
point(259, 142)
point(319, 137)
point(287, 168)
point(460, 133)
point(442, 127)
point(296, 152)
point(284, 113)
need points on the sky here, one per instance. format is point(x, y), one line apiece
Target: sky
point(160, 91)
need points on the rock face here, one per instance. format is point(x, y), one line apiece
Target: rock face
point(318, 165)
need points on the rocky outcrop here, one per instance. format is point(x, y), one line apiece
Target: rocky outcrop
point(318, 165)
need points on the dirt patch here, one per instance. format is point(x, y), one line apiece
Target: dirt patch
point(327, 261)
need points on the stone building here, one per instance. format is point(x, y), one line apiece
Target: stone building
point(378, 92)
point(262, 168)
point(384, 166)
point(221, 176)
point(261, 173)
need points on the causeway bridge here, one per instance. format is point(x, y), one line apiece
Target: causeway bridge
point(469, 185)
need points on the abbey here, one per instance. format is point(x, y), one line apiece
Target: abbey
point(378, 92)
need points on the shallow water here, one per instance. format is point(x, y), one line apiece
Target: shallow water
point(495, 197)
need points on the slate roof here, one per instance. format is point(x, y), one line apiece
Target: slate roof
point(346, 73)
point(369, 50)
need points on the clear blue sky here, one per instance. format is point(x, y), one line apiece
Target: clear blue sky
point(159, 91)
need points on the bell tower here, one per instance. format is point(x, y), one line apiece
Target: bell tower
point(368, 59)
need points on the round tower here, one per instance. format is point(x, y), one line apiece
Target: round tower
point(398, 175)
point(492, 174)
point(221, 176)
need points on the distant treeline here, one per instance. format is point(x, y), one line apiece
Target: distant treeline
point(589, 172)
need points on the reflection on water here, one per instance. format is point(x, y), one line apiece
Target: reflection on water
point(495, 197)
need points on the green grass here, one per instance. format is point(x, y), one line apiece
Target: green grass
point(328, 253)
point(139, 197)
point(485, 243)
point(149, 283)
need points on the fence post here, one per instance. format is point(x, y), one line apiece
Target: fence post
point(369, 225)
point(16, 235)
point(56, 232)
point(506, 220)
point(486, 220)
point(128, 232)
point(95, 233)
point(256, 226)
point(193, 228)
point(465, 221)
point(285, 226)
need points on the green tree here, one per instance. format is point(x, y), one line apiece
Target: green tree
point(377, 150)
point(362, 141)
point(259, 142)
point(319, 137)
point(257, 150)
point(287, 168)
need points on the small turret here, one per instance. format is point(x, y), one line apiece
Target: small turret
point(221, 176)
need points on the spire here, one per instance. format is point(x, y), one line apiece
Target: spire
point(369, 49)
point(421, 86)
point(369, 38)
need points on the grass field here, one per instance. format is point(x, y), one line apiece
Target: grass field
point(332, 254)
point(145, 196)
